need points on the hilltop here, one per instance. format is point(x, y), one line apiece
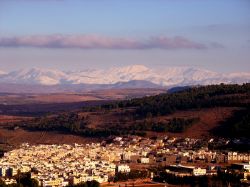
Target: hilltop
point(194, 112)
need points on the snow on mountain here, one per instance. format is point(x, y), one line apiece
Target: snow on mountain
point(34, 76)
point(169, 76)
point(2, 72)
point(109, 76)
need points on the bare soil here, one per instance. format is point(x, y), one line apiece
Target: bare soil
point(15, 137)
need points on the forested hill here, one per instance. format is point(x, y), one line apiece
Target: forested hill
point(192, 98)
point(192, 112)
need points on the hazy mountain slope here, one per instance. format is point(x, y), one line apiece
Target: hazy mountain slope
point(64, 88)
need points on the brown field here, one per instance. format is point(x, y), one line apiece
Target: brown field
point(39, 104)
point(65, 98)
point(111, 94)
point(11, 119)
point(22, 99)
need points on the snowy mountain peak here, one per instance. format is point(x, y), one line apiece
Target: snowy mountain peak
point(169, 76)
point(134, 69)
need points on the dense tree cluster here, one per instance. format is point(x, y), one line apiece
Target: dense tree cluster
point(23, 180)
point(237, 125)
point(87, 184)
point(222, 179)
point(192, 98)
point(76, 124)
point(67, 122)
point(174, 125)
point(133, 174)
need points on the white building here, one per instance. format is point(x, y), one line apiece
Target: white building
point(144, 160)
point(123, 168)
point(199, 171)
point(53, 182)
point(234, 156)
point(187, 170)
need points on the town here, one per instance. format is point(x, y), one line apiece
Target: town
point(64, 165)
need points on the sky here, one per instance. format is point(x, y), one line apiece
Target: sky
point(79, 34)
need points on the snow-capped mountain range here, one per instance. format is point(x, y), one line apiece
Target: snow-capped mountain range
point(163, 77)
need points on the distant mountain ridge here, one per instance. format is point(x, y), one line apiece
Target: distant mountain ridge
point(66, 88)
point(128, 76)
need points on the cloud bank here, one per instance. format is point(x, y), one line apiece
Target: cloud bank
point(103, 42)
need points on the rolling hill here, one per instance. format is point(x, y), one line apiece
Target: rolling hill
point(194, 112)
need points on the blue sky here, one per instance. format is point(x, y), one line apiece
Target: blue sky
point(73, 34)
